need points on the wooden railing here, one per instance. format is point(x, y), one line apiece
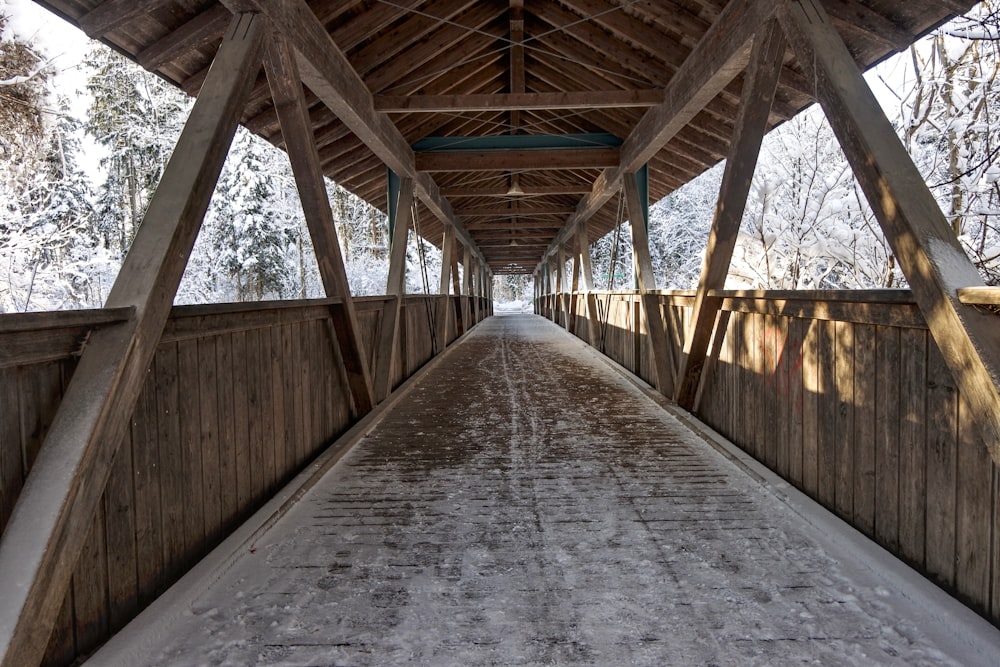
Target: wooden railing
point(238, 399)
point(846, 396)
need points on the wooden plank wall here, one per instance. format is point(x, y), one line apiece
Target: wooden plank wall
point(847, 397)
point(237, 401)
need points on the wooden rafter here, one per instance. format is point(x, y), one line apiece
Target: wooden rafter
point(46, 532)
point(928, 253)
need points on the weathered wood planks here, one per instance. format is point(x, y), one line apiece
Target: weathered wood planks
point(848, 398)
point(222, 420)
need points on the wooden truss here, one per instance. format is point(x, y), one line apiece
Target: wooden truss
point(936, 268)
point(930, 257)
point(47, 530)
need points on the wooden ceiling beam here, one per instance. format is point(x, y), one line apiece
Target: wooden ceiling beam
point(498, 226)
point(527, 191)
point(720, 55)
point(591, 99)
point(328, 73)
point(513, 211)
point(572, 158)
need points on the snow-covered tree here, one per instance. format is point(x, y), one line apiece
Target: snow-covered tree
point(137, 117)
point(948, 121)
point(251, 236)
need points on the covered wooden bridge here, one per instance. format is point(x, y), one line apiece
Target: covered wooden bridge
point(135, 438)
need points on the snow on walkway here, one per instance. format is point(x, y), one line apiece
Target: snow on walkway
point(528, 505)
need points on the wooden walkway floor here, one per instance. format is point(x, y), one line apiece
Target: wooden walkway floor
point(526, 504)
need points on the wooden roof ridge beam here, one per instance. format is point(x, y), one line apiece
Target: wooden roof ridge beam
point(929, 254)
point(296, 130)
point(46, 533)
point(577, 99)
point(328, 73)
point(748, 133)
point(722, 53)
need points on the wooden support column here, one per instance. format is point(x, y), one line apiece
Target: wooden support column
point(538, 292)
point(574, 290)
point(445, 312)
point(296, 130)
point(53, 515)
point(466, 288)
point(395, 287)
point(561, 287)
point(651, 314)
point(456, 285)
point(928, 253)
point(587, 282)
point(751, 124)
point(556, 298)
point(487, 289)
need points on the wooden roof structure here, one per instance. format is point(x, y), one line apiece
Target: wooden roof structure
point(518, 116)
point(509, 126)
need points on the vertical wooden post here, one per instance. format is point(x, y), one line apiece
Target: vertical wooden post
point(554, 283)
point(474, 289)
point(445, 312)
point(587, 282)
point(748, 132)
point(395, 288)
point(560, 287)
point(296, 130)
point(650, 309)
point(466, 288)
point(53, 515)
point(534, 290)
point(928, 253)
point(456, 284)
point(488, 289)
point(574, 294)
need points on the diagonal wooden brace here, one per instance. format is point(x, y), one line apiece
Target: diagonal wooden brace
point(46, 532)
point(651, 314)
point(751, 124)
point(928, 253)
point(296, 130)
point(395, 287)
